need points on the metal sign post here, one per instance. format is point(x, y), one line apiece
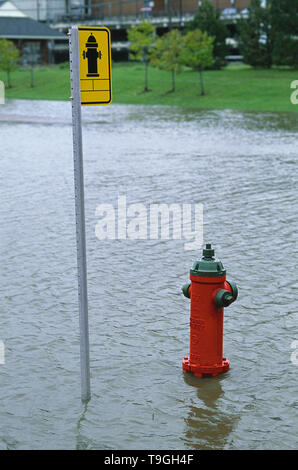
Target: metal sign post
point(91, 84)
point(80, 210)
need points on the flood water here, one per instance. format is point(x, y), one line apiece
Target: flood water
point(243, 168)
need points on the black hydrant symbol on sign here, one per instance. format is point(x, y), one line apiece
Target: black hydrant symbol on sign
point(92, 54)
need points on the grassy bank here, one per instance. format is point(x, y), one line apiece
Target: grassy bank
point(235, 87)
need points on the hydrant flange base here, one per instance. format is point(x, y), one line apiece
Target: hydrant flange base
point(205, 371)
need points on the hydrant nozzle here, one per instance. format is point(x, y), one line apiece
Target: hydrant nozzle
point(209, 293)
point(185, 289)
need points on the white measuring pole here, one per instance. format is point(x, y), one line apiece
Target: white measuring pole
point(80, 210)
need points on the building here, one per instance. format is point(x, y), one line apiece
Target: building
point(35, 9)
point(159, 8)
point(117, 15)
point(36, 41)
point(51, 10)
point(84, 10)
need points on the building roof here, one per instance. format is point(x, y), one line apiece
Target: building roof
point(8, 8)
point(27, 28)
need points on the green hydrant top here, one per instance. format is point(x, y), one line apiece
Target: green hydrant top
point(208, 266)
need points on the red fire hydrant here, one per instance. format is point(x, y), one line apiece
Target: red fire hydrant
point(209, 293)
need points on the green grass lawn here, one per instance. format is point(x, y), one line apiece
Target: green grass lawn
point(235, 87)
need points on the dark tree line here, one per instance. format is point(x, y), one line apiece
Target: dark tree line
point(268, 36)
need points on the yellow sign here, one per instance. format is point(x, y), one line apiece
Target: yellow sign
point(95, 65)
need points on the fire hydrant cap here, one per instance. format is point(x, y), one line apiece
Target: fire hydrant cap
point(91, 41)
point(208, 265)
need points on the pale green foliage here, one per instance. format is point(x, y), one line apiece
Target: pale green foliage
point(141, 38)
point(167, 51)
point(9, 57)
point(197, 50)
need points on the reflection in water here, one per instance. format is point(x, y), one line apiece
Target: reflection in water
point(81, 442)
point(207, 425)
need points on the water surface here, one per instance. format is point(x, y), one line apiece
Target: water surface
point(243, 168)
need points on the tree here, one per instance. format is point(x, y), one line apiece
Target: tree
point(9, 56)
point(269, 35)
point(256, 36)
point(197, 50)
point(141, 38)
point(284, 22)
point(208, 19)
point(166, 54)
